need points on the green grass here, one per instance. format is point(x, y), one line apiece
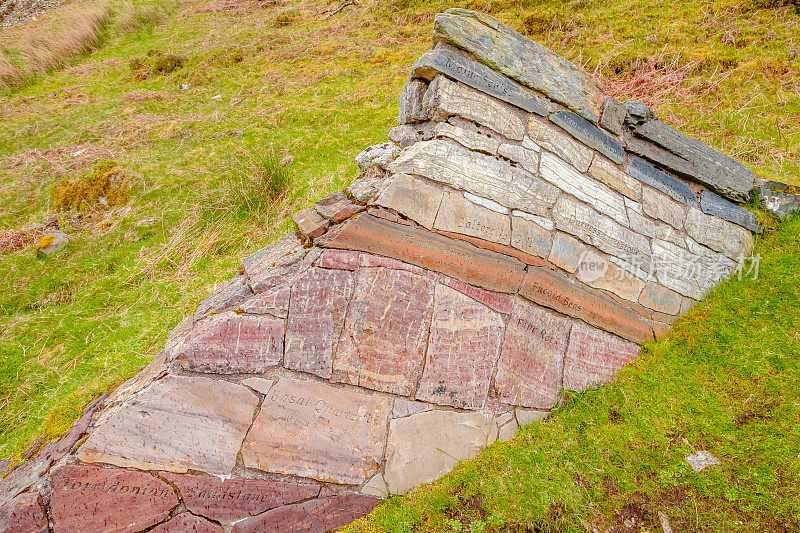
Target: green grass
point(285, 79)
point(726, 379)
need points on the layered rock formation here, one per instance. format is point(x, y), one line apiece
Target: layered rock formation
point(520, 235)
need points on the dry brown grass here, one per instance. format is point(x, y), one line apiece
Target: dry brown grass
point(56, 38)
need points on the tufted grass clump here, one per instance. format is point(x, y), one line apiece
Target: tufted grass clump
point(256, 182)
point(107, 185)
point(155, 63)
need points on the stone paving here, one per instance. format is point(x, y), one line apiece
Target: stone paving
point(519, 236)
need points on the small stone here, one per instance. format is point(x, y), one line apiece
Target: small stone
point(315, 430)
point(711, 204)
point(613, 115)
point(598, 272)
point(689, 273)
point(316, 314)
point(424, 447)
point(376, 487)
point(529, 368)
point(662, 207)
point(701, 460)
point(778, 198)
point(590, 135)
point(314, 516)
point(229, 500)
point(594, 193)
point(367, 185)
point(462, 349)
point(554, 139)
point(230, 343)
point(337, 207)
point(186, 522)
point(459, 215)
point(566, 252)
point(720, 235)
point(530, 237)
point(606, 172)
point(382, 344)
point(647, 173)
point(478, 174)
point(177, 423)
point(529, 416)
point(594, 357)
point(527, 159)
point(379, 155)
point(454, 64)
point(411, 109)
point(520, 58)
point(416, 198)
point(310, 223)
point(52, 242)
point(473, 140)
point(483, 268)
point(91, 498)
point(403, 407)
point(488, 204)
point(661, 299)
point(259, 384)
point(445, 98)
point(507, 431)
point(544, 222)
point(638, 112)
point(23, 514)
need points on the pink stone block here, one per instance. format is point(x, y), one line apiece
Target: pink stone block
point(594, 357)
point(316, 314)
point(499, 302)
point(274, 302)
point(382, 345)
point(529, 368)
point(230, 343)
point(462, 350)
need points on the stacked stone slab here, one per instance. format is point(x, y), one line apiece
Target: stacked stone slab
point(521, 235)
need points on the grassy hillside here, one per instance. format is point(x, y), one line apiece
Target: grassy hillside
point(252, 82)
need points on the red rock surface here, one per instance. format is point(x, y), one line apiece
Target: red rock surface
point(554, 290)
point(594, 357)
point(311, 223)
point(92, 498)
point(529, 368)
point(316, 314)
point(337, 207)
point(187, 523)
point(456, 258)
point(23, 514)
point(498, 302)
point(463, 347)
point(382, 346)
point(274, 302)
point(233, 499)
point(313, 516)
point(230, 343)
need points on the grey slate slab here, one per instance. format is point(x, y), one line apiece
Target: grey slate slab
point(647, 173)
point(712, 204)
point(453, 64)
point(717, 171)
point(613, 115)
point(590, 135)
point(521, 59)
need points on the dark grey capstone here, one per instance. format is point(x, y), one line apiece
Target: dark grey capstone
point(718, 172)
point(778, 198)
point(521, 59)
point(613, 115)
point(712, 204)
point(453, 64)
point(652, 152)
point(590, 135)
point(638, 112)
point(647, 173)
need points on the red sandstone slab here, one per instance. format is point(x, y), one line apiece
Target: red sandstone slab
point(229, 500)
point(231, 343)
point(313, 516)
point(554, 290)
point(455, 258)
point(310, 223)
point(187, 523)
point(352, 260)
point(382, 346)
point(316, 314)
point(273, 302)
point(23, 514)
point(594, 357)
point(528, 259)
point(463, 347)
point(529, 367)
point(337, 207)
point(92, 498)
point(498, 302)
point(316, 430)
